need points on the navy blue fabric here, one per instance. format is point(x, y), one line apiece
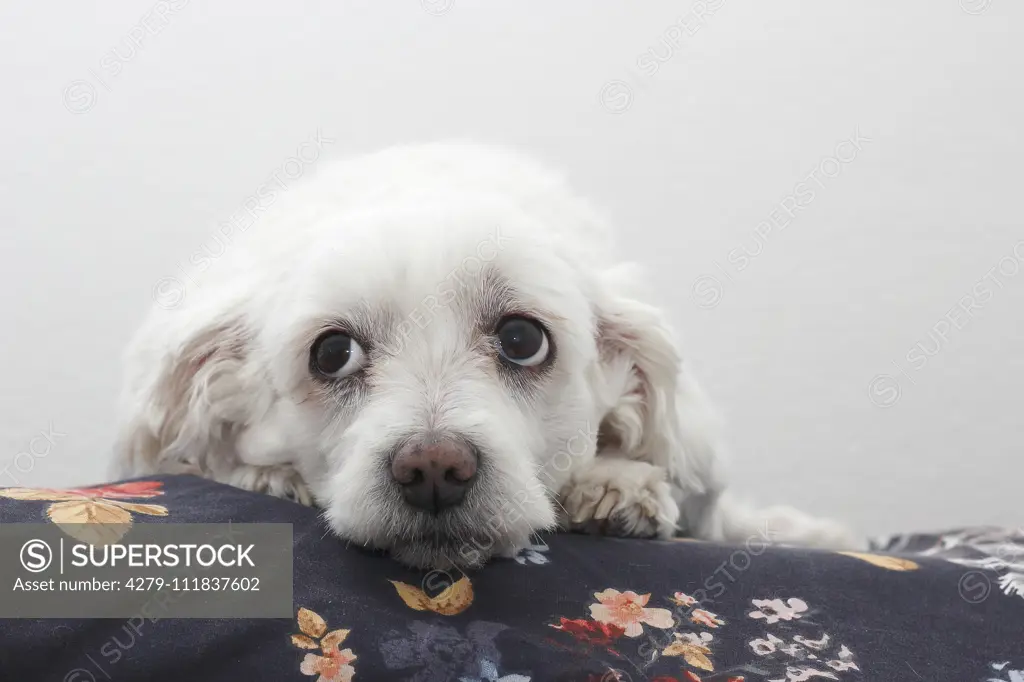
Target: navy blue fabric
point(555, 612)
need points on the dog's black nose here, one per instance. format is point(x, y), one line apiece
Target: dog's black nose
point(435, 476)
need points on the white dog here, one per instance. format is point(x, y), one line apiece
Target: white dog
point(437, 345)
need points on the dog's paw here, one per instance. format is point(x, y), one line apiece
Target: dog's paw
point(279, 480)
point(620, 497)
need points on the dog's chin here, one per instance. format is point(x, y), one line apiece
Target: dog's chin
point(443, 541)
point(452, 540)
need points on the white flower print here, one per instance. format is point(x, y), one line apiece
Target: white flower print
point(794, 650)
point(774, 610)
point(763, 647)
point(1012, 583)
point(845, 661)
point(701, 639)
point(803, 657)
point(1012, 675)
point(803, 674)
point(817, 645)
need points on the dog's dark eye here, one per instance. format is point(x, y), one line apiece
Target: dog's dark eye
point(336, 355)
point(522, 341)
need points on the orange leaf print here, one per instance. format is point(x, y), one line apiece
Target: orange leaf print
point(311, 623)
point(414, 597)
point(698, 659)
point(87, 511)
point(304, 642)
point(91, 521)
point(455, 598)
point(332, 640)
point(693, 648)
point(889, 562)
point(150, 509)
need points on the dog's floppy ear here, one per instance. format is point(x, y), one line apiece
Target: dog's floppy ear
point(188, 390)
point(654, 409)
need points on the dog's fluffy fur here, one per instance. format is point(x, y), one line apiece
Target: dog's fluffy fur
point(417, 252)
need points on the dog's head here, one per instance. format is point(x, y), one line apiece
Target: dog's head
point(434, 371)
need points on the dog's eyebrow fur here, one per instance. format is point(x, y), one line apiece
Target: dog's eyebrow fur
point(368, 324)
point(498, 298)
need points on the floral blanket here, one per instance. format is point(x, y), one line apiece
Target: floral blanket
point(571, 607)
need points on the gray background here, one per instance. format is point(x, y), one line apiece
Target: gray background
point(106, 187)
